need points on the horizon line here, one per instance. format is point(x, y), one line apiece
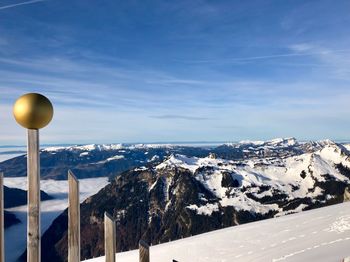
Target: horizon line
point(172, 142)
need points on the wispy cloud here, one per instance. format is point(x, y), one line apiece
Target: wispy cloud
point(264, 57)
point(19, 4)
point(336, 61)
point(183, 117)
point(197, 63)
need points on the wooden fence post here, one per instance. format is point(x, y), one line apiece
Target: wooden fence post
point(110, 238)
point(143, 251)
point(73, 219)
point(33, 169)
point(2, 250)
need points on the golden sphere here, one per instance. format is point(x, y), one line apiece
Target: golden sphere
point(33, 111)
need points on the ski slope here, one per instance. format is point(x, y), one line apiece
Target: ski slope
point(321, 235)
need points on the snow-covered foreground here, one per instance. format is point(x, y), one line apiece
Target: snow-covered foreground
point(317, 235)
point(15, 236)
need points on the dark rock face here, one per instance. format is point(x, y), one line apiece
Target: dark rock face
point(17, 197)
point(229, 181)
point(10, 219)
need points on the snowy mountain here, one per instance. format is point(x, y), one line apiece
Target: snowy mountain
point(277, 185)
point(112, 159)
point(86, 161)
point(321, 235)
point(188, 195)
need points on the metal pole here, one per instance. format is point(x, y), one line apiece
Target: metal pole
point(73, 219)
point(2, 250)
point(110, 238)
point(33, 169)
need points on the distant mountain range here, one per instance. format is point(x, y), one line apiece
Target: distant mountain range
point(111, 160)
point(177, 192)
point(93, 160)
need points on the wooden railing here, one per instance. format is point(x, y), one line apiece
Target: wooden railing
point(109, 227)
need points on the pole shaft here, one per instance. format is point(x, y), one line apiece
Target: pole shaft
point(33, 169)
point(73, 219)
point(2, 250)
point(110, 238)
point(143, 251)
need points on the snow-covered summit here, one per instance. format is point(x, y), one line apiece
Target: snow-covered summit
point(263, 185)
point(89, 147)
point(191, 163)
point(106, 147)
point(281, 142)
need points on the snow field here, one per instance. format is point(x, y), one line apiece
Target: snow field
point(321, 235)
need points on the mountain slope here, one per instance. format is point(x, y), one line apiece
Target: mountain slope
point(185, 196)
point(321, 235)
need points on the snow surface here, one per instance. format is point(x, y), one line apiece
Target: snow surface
point(347, 146)
point(116, 157)
point(15, 236)
point(321, 235)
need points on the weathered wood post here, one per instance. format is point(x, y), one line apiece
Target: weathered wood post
point(73, 219)
point(33, 111)
point(110, 238)
point(2, 250)
point(33, 166)
point(143, 251)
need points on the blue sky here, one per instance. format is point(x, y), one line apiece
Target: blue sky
point(148, 71)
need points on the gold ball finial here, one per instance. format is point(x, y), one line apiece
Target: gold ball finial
point(33, 111)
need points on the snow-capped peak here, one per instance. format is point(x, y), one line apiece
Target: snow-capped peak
point(87, 148)
point(277, 142)
point(190, 163)
point(291, 141)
